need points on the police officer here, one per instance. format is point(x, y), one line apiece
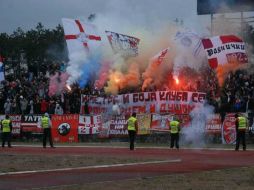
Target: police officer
point(132, 129)
point(241, 126)
point(46, 125)
point(174, 133)
point(6, 127)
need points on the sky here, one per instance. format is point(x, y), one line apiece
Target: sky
point(146, 13)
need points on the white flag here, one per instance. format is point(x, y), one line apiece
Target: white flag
point(80, 36)
point(224, 49)
point(127, 46)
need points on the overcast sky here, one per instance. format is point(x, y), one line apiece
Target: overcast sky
point(27, 13)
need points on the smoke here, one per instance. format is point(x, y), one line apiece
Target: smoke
point(154, 35)
point(57, 83)
point(186, 49)
point(194, 134)
point(119, 80)
point(82, 67)
point(189, 51)
point(103, 75)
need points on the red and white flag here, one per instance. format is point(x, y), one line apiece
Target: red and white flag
point(159, 57)
point(127, 46)
point(80, 36)
point(224, 50)
point(89, 124)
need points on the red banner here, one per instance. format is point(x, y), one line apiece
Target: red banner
point(213, 125)
point(228, 129)
point(65, 128)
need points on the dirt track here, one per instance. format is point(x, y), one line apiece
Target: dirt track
point(187, 161)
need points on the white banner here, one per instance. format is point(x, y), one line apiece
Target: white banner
point(177, 102)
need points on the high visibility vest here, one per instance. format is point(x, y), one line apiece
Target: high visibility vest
point(6, 125)
point(174, 127)
point(242, 123)
point(45, 122)
point(131, 124)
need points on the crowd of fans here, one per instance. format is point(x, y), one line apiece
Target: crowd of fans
point(238, 92)
point(28, 92)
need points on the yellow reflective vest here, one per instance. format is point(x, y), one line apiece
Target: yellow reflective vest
point(45, 122)
point(174, 127)
point(131, 124)
point(242, 123)
point(6, 128)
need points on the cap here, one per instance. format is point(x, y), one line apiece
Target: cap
point(46, 114)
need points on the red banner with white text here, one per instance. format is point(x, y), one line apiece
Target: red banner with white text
point(65, 128)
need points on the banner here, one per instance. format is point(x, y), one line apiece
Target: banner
point(185, 119)
point(16, 124)
point(118, 126)
point(104, 131)
point(224, 49)
point(229, 129)
point(89, 124)
point(160, 122)
point(65, 128)
point(213, 124)
point(29, 123)
point(127, 46)
point(80, 36)
point(176, 102)
point(144, 121)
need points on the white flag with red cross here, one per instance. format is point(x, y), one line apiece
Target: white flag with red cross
point(80, 36)
point(226, 49)
point(89, 124)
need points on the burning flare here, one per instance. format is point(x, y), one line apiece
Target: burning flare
point(176, 80)
point(68, 87)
